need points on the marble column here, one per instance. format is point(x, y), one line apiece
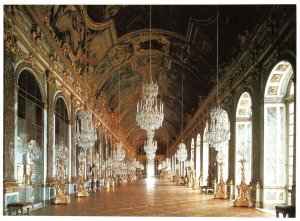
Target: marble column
point(257, 136)
point(231, 145)
point(293, 193)
point(51, 122)
point(10, 122)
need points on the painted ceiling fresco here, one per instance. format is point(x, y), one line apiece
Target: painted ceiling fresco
point(111, 45)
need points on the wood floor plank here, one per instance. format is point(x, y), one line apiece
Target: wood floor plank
point(139, 198)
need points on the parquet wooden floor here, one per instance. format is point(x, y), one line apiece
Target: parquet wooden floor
point(150, 198)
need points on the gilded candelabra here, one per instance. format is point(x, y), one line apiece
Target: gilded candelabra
point(243, 198)
point(221, 188)
point(60, 187)
point(82, 192)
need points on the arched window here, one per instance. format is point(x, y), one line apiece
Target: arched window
point(198, 156)
point(243, 137)
point(278, 134)
point(224, 151)
point(30, 108)
point(30, 125)
point(193, 150)
point(290, 139)
point(61, 125)
point(205, 157)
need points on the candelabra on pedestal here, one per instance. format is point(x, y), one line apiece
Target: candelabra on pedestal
point(60, 187)
point(221, 186)
point(61, 197)
point(82, 191)
point(243, 198)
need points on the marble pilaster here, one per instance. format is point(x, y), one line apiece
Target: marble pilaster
point(50, 133)
point(10, 184)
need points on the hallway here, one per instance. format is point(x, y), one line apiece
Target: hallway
point(149, 197)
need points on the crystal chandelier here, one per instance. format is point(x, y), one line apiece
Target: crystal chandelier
point(219, 130)
point(150, 111)
point(150, 146)
point(150, 156)
point(61, 151)
point(119, 153)
point(181, 153)
point(86, 132)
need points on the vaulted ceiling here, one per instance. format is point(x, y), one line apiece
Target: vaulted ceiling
point(112, 46)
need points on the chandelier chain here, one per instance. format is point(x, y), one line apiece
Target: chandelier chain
point(119, 101)
point(150, 62)
point(182, 92)
point(217, 54)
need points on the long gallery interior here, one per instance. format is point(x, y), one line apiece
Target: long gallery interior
point(149, 110)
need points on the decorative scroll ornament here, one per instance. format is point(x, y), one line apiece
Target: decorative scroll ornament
point(86, 133)
point(181, 153)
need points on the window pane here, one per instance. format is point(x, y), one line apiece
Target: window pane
point(291, 140)
point(31, 112)
point(291, 129)
point(21, 126)
point(290, 181)
point(291, 119)
point(21, 106)
point(291, 107)
point(39, 116)
point(270, 145)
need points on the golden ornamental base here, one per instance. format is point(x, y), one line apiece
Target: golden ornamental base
point(11, 186)
point(243, 202)
point(220, 196)
point(196, 187)
point(244, 190)
point(61, 200)
point(82, 194)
